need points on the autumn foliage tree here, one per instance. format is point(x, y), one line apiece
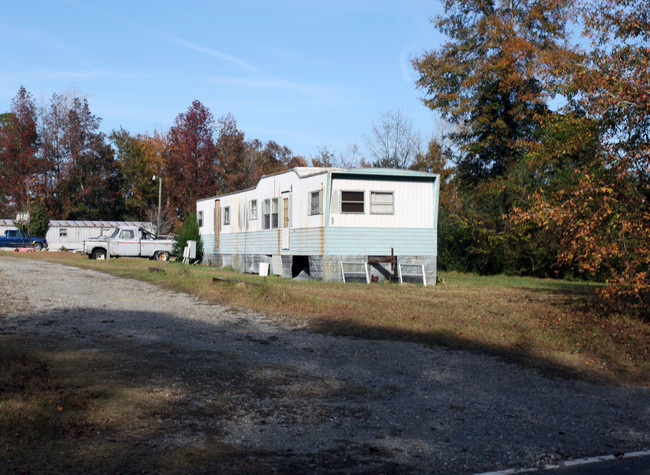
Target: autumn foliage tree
point(56, 155)
point(193, 169)
point(494, 77)
point(493, 81)
point(18, 149)
point(140, 158)
point(605, 218)
point(237, 159)
point(80, 178)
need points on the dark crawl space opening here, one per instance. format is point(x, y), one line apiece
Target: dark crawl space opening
point(300, 264)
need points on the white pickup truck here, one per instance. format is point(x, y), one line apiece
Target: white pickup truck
point(128, 241)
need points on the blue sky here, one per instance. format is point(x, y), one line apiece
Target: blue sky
point(306, 74)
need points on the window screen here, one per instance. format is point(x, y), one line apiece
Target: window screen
point(270, 213)
point(315, 203)
point(382, 202)
point(252, 210)
point(274, 213)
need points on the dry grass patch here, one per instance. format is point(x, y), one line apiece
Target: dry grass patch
point(67, 409)
point(548, 324)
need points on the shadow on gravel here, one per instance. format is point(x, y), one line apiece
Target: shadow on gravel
point(184, 396)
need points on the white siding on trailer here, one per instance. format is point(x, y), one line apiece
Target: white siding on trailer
point(245, 235)
point(207, 207)
point(301, 218)
point(413, 204)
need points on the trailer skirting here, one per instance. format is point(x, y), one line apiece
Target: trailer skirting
point(327, 268)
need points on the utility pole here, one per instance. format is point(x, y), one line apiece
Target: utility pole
point(159, 202)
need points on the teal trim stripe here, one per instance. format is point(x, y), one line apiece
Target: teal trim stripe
point(374, 241)
point(331, 241)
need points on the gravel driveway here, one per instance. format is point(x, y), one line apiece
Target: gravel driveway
point(319, 402)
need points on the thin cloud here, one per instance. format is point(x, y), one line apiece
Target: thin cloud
point(265, 80)
point(405, 66)
point(269, 82)
point(211, 52)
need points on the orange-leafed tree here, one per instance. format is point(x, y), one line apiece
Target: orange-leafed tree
point(605, 218)
point(494, 77)
point(494, 80)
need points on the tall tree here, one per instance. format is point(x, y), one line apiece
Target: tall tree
point(239, 166)
point(89, 187)
point(52, 155)
point(495, 77)
point(605, 218)
point(192, 168)
point(493, 80)
point(273, 157)
point(18, 148)
point(140, 159)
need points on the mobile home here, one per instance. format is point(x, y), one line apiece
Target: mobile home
point(325, 222)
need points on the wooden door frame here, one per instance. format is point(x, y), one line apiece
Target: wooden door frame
point(217, 223)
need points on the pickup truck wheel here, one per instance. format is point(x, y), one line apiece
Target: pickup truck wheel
point(38, 246)
point(99, 254)
point(161, 256)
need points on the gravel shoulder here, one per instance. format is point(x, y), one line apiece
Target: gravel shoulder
point(304, 400)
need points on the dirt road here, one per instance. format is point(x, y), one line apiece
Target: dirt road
point(293, 400)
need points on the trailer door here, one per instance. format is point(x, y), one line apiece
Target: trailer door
point(217, 223)
point(286, 220)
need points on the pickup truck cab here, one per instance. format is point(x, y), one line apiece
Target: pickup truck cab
point(128, 241)
point(15, 238)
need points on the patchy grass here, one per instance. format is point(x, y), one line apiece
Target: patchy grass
point(67, 409)
point(548, 324)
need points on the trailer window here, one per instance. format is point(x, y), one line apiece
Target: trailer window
point(274, 213)
point(63, 232)
point(252, 213)
point(315, 203)
point(270, 214)
point(200, 219)
point(226, 215)
point(352, 202)
point(382, 202)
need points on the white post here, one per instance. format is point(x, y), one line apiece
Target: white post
point(159, 202)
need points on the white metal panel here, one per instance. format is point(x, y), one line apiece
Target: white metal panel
point(413, 204)
point(268, 188)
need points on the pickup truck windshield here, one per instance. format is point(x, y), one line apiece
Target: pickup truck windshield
point(114, 233)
